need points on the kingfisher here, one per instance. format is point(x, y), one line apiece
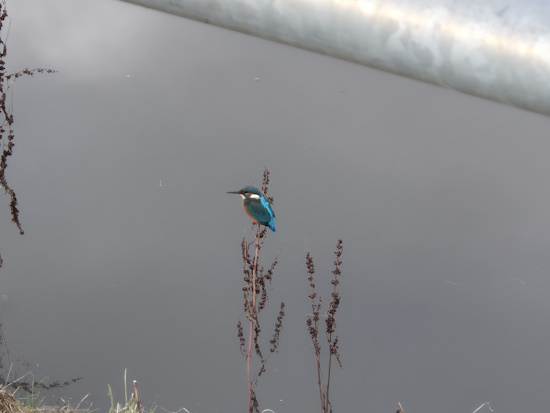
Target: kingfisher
point(256, 206)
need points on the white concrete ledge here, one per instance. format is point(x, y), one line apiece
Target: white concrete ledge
point(496, 49)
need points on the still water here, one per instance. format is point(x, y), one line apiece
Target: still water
point(441, 199)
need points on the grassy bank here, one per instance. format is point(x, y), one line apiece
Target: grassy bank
point(14, 401)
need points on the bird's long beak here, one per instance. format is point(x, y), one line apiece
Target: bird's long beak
point(234, 192)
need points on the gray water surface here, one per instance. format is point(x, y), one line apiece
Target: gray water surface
point(442, 201)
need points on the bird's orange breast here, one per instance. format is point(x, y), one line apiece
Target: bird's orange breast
point(249, 214)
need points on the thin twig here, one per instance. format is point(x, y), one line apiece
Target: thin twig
point(136, 394)
point(313, 324)
point(6, 115)
point(252, 318)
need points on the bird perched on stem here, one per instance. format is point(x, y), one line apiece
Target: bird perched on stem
point(256, 206)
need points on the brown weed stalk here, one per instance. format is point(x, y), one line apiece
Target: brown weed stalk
point(313, 321)
point(255, 294)
point(7, 134)
point(136, 396)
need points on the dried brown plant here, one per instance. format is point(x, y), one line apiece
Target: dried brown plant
point(8, 404)
point(313, 320)
point(256, 296)
point(136, 396)
point(7, 134)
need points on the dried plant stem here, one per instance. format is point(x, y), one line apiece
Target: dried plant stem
point(327, 402)
point(7, 134)
point(329, 339)
point(255, 294)
point(313, 324)
point(136, 395)
point(319, 383)
point(253, 315)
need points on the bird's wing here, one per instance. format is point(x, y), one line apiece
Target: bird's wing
point(260, 212)
point(268, 205)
